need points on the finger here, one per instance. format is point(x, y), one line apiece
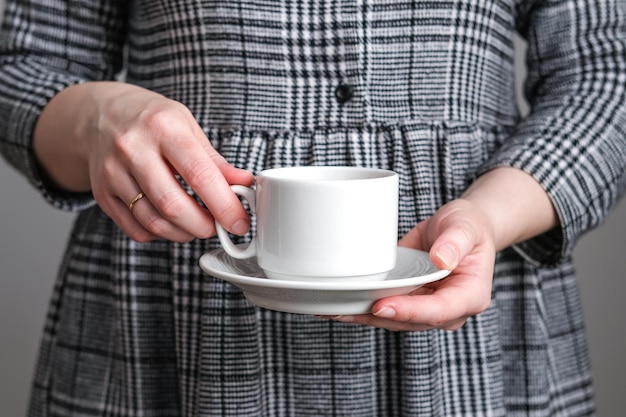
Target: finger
point(393, 325)
point(205, 176)
point(130, 225)
point(143, 210)
point(446, 305)
point(373, 321)
point(138, 209)
point(118, 177)
point(232, 174)
point(455, 299)
point(109, 201)
point(121, 198)
point(457, 239)
point(119, 212)
point(173, 207)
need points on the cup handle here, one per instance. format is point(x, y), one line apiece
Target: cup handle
point(235, 251)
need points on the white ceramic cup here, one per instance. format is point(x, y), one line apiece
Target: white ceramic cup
point(322, 223)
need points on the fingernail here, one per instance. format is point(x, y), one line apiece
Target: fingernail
point(447, 254)
point(343, 318)
point(385, 313)
point(240, 227)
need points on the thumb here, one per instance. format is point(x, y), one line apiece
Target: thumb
point(454, 244)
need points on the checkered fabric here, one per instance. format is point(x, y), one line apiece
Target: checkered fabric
point(425, 89)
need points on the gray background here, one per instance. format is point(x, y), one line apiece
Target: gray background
point(33, 236)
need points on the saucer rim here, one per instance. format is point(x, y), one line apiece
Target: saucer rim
point(388, 283)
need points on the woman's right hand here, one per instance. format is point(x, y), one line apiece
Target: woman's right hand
point(118, 140)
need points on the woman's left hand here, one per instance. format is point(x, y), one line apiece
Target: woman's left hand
point(502, 207)
point(459, 237)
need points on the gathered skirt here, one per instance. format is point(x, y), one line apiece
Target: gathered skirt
point(139, 330)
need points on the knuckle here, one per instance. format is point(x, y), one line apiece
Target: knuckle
point(157, 225)
point(469, 235)
point(109, 170)
point(159, 119)
point(464, 234)
point(200, 173)
point(125, 145)
point(439, 318)
point(171, 204)
point(139, 234)
point(226, 211)
point(184, 238)
point(205, 232)
point(482, 306)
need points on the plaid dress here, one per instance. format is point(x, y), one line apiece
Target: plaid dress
point(424, 88)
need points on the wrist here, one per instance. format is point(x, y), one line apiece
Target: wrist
point(515, 205)
point(58, 143)
point(63, 131)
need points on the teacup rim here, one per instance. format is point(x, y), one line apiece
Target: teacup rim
point(380, 173)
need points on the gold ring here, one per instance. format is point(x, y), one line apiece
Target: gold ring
point(138, 197)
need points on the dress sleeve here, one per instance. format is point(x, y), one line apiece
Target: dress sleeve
point(45, 47)
point(573, 142)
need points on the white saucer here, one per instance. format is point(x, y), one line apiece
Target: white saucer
point(413, 269)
